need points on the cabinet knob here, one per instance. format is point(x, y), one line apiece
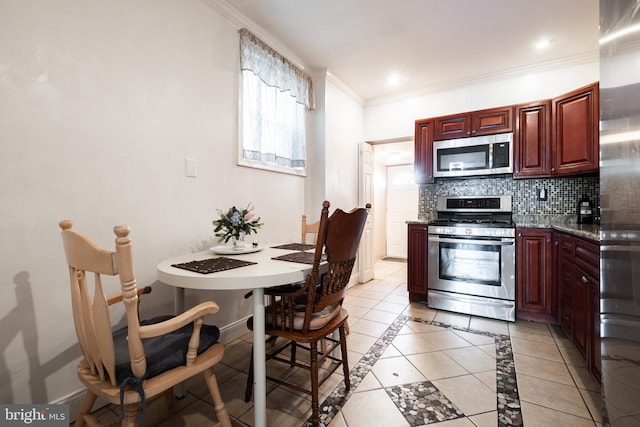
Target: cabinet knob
point(585, 280)
point(553, 170)
point(519, 234)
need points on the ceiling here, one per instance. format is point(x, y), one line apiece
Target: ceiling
point(428, 44)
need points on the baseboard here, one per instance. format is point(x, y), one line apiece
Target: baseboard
point(234, 330)
point(74, 400)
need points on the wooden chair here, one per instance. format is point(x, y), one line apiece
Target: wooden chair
point(309, 229)
point(311, 314)
point(145, 359)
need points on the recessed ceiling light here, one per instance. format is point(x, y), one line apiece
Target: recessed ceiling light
point(543, 44)
point(393, 79)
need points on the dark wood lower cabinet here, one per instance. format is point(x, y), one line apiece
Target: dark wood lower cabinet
point(533, 275)
point(417, 265)
point(578, 290)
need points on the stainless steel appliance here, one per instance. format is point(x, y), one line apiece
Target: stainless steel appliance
point(478, 155)
point(471, 250)
point(620, 211)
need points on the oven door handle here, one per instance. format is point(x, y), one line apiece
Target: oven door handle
point(503, 242)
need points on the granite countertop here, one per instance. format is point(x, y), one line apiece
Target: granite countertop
point(566, 224)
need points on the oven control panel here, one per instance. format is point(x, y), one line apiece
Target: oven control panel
point(472, 231)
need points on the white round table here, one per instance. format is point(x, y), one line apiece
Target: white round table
point(267, 272)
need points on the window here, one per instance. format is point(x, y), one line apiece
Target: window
point(275, 95)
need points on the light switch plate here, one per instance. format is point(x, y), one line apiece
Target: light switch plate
point(190, 168)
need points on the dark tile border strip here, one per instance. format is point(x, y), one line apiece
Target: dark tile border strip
point(508, 405)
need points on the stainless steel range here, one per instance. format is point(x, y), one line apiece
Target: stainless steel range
point(472, 257)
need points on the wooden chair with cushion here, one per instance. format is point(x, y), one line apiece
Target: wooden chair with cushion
point(306, 316)
point(145, 359)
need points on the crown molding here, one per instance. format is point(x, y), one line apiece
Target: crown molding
point(585, 58)
point(231, 14)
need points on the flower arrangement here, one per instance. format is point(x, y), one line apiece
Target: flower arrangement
point(235, 224)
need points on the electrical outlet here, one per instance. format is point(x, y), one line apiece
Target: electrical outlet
point(542, 194)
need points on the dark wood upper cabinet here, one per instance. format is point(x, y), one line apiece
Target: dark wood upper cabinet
point(483, 122)
point(423, 152)
point(532, 140)
point(576, 147)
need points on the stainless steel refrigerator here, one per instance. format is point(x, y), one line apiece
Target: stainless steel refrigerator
point(620, 210)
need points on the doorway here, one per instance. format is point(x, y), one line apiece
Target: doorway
point(402, 205)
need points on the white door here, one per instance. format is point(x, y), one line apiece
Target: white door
point(365, 195)
point(402, 206)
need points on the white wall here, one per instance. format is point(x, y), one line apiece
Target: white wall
point(100, 104)
point(395, 118)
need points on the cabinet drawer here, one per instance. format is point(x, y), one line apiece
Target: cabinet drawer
point(587, 256)
point(566, 246)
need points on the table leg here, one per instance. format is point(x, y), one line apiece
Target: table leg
point(259, 363)
point(178, 308)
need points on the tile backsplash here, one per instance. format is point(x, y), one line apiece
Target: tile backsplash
point(562, 194)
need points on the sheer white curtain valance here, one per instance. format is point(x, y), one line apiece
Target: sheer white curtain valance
point(274, 69)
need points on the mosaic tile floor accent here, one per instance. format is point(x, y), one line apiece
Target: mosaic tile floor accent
point(408, 397)
point(422, 403)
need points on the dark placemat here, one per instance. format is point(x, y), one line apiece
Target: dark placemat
point(213, 265)
point(295, 246)
point(301, 257)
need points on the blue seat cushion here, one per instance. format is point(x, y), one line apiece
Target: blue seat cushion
point(164, 352)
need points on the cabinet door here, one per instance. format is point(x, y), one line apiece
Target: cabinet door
point(580, 314)
point(575, 132)
point(423, 152)
point(533, 274)
point(532, 150)
point(450, 127)
point(417, 262)
point(494, 120)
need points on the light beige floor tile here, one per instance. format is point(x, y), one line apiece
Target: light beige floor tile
point(391, 351)
point(458, 422)
point(536, 415)
point(359, 342)
point(542, 368)
point(355, 311)
point(395, 371)
point(380, 316)
point(412, 344)
point(368, 327)
point(369, 382)
point(533, 336)
point(468, 393)
point(489, 349)
point(283, 409)
point(488, 419)
point(233, 392)
point(551, 395)
point(593, 399)
point(390, 307)
point(536, 349)
point(374, 293)
point(397, 299)
point(534, 327)
point(488, 378)
point(582, 378)
point(424, 327)
point(444, 340)
point(475, 339)
point(373, 407)
point(338, 421)
point(420, 311)
point(571, 356)
point(437, 365)
point(453, 319)
point(472, 359)
point(359, 302)
point(489, 325)
point(237, 355)
point(198, 413)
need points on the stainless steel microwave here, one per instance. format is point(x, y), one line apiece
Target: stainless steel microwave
point(474, 156)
